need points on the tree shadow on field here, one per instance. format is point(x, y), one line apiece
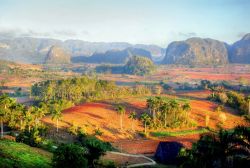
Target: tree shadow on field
point(111, 130)
point(93, 115)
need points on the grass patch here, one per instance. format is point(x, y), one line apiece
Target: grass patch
point(179, 133)
point(13, 154)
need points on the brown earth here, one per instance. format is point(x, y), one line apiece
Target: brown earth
point(102, 115)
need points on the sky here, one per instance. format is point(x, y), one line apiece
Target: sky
point(135, 21)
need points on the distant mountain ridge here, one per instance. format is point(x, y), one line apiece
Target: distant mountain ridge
point(239, 52)
point(34, 50)
point(193, 51)
point(199, 51)
point(113, 56)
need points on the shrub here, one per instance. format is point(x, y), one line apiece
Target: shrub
point(98, 132)
point(70, 155)
point(96, 147)
point(31, 138)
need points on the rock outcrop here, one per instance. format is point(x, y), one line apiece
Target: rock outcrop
point(196, 51)
point(57, 55)
point(239, 52)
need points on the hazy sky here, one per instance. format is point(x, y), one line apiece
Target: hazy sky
point(135, 21)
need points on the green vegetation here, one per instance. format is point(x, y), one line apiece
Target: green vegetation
point(136, 65)
point(139, 66)
point(179, 133)
point(132, 116)
point(83, 89)
point(226, 149)
point(13, 154)
point(145, 118)
point(70, 155)
point(95, 147)
point(121, 111)
point(232, 99)
point(168, 112)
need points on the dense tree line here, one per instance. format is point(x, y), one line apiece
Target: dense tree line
point(167, 112)
point(26, 119)
point(83, 89)
point(222, 150)
point(232, 99)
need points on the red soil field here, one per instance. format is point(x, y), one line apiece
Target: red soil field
point(91, 116)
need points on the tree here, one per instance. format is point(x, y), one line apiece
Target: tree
point(186, 108)
point(17, 116)
point(132, 116)
point(96, 148)
point(5, 103)
point(29, 117)
point(223, 150)
point(146, 121)
point(121, 111)
point(56, 111)
point(70, 155)
point(213, 89)
point(165, 109)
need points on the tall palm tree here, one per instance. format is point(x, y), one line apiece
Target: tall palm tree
point(165, 109)
point(132, 116)
point(17, 115)
point(29, 117)
point(146, 120)
point(186, 108)
point(121, 111)
point(174, 105)
point(56, 111)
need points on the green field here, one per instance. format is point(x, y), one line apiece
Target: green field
point(13, 154)
point(179, 133)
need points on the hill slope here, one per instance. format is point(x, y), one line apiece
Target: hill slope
point(57, 55)
point(240, 51)
point(13, 154)
point(34, 50)
point(196, 51)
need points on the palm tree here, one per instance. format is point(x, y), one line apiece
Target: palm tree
point(120, 110)
point(132, 116)
point(146, 120)
point(186, 108)
point(56, 111)
point(17, 115)
point(29, 117)
point(153, 105)
point(5, 103)
point(174, 105)
point(165, 109)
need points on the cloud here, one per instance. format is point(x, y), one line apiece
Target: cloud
point(187, 35)
point(60, 34)
point(65, 33)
